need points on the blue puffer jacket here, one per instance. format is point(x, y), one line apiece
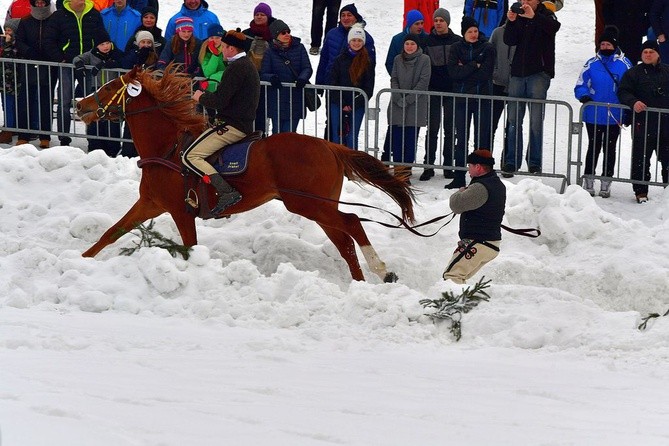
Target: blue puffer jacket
point(202, 18)
point(596, 82)
point(274, 63)
point(488, 13)
point(335, 42)
point(121, 26)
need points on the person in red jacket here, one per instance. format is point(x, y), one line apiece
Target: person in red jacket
point(426, 7)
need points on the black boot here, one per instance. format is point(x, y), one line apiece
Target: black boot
point(227, 195)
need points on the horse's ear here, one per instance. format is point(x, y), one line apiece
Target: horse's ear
point(132, 74)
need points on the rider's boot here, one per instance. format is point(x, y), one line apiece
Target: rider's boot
point(227, 195)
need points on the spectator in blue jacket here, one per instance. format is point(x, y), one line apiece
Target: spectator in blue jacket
point(415, 22)
point(337, 40)
point(489, 14)
point(121, 21)
point(599, 81)
point(203, 18)
point(285, 61)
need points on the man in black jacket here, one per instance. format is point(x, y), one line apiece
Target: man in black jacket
point(70, 32)
point(438, 46)
point(532, 68)
point(235, 101)
point(642, 86)
point(481, 206)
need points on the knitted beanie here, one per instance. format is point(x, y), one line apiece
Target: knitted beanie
point(263, 8)
point(276, 27)
point(183, 23)
point(468, 22)
point(413, 16)
point(444, 14)
point(144, 35)
point(357, 32)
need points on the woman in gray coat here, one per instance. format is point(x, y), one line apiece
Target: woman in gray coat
point(407, 112)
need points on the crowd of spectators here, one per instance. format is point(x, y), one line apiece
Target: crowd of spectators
point(503, 50)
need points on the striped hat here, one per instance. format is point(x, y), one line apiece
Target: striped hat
point(183, 23)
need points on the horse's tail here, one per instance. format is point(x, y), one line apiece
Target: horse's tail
point(360, 166)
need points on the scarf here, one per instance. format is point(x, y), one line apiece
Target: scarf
point(42, 13)
point(261, 31)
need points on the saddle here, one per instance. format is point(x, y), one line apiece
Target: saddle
point(230, 160)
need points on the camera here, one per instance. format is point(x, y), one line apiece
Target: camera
point(518, 8)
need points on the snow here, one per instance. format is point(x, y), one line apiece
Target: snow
point(261, 337)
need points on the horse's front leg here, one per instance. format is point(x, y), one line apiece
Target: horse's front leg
point(186, 226)
point(141, 211)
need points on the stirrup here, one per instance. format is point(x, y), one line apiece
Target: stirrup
point(225, 201)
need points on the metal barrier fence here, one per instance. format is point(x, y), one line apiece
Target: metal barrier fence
point(636, 152)
point(460, 123)
point(35, 94)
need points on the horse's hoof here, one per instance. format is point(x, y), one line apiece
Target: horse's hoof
point(391, 277)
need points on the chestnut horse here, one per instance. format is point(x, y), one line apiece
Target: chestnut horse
point(304, 172)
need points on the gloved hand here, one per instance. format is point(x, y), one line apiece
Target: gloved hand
point(274, 80)
point(96, 69)
point(79, 68)
point(142, 54)
point(300, 83)
point(585, 99)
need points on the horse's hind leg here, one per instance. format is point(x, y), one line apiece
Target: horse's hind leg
point(141, 211)
point(344, 244)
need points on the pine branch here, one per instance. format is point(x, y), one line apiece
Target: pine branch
point(151, 238)
point(452, 307)
point(646, 319)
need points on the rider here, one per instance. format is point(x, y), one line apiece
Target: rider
point(235, 101)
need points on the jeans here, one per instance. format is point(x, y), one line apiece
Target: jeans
point(403, 143)
point(284, 125)
point(65, 92)
point(9, 106)
point(645, 141)
point(344, 127)
point(465, 111)
point(529, 87)
point(599, 136)
point(441, 113)
point(36, 112)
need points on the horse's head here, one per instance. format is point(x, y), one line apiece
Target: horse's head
point(108, 102)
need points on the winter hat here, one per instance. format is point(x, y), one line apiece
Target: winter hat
point(101, 36)
point(12, 24)
point(650, 44)
point(413, 37)
point(144, 35)
point(215, 30)
point(185, 23)
point(235, 38)
point(468, 22)
point(264, 9)
point(610, 35)
point(444, 14)
point(32, 2)
point(353, 10)
point(357, 32)
point(149, 10)
point(413, 16)
point(276, 27)
point(481, 156)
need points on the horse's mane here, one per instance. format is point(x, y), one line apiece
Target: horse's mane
point(172, 89)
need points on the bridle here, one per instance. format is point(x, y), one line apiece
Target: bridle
point(115, 105)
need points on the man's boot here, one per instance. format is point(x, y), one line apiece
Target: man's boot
point(605, 191)
point(227, 195)
point(589, 186)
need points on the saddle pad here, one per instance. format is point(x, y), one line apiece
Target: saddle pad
point(233, 159)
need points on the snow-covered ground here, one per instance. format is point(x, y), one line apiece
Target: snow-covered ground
point(262, 338)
